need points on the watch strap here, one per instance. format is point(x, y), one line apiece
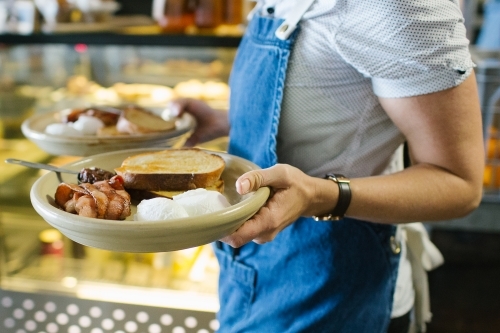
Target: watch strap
point(343, 201)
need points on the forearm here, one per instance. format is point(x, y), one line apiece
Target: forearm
point(419, 193)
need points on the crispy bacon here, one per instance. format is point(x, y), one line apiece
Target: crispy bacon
point(64, 196)
point(101, 199)
point(109, 116)
point(86, 206)
point(119, 199)
point(105, 199)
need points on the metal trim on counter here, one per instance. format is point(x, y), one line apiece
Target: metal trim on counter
point(22, 311)
point(115, 293)
point(122, 39)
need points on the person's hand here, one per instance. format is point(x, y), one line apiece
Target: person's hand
point(293, 194)
point(211, 123)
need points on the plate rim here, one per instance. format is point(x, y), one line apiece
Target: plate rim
point(52, 214)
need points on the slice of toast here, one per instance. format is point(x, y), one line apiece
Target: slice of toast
point(109, 131)
point(135, 120)
point(171, 170)
point(139, 195)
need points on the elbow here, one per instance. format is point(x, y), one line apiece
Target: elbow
point(476, 195)
point(472, 202)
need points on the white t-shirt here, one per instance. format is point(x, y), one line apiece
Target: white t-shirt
point(347, 54)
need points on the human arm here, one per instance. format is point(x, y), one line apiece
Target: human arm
point(444, 135)
point(445, 141)
point(210, 123)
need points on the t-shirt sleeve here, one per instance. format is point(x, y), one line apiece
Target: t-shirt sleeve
point(406, 47)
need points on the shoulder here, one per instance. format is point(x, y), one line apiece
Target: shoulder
point(405, 43)
point(392, 22)
point(401, 9)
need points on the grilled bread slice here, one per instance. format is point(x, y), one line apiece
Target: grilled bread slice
point(139, 195)
point(135, 120)
point(171, 170)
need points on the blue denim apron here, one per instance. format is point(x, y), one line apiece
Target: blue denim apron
point(314, 276)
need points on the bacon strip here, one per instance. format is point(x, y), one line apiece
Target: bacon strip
point(106, 199)
point(101, 199)
point(86, 206)
point(116, 202)
point(64, 195)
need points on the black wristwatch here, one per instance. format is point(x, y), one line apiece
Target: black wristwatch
point(343, 201)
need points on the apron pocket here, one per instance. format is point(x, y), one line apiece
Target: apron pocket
point(236, 290)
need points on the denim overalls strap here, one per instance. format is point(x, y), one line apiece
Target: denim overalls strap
point(258, 81)
point(314, 276)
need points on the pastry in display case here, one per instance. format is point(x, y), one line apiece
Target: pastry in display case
point(45, 274)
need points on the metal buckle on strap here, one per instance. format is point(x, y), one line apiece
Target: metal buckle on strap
point(290, 24)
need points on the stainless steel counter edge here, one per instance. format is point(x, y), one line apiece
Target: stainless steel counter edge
point(155, 297)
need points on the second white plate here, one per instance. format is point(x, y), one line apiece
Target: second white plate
point(33, 128)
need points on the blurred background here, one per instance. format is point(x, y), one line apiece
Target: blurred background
point(60, 54)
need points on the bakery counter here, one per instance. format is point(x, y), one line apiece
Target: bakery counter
point(50, 283)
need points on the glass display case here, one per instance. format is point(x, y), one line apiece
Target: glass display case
point(49, 283)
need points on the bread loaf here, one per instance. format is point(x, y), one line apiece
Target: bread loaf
point(171, 170)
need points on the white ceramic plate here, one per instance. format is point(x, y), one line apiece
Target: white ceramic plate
point(150, 236)
point(33, 128)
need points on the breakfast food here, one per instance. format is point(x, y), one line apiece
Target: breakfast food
point(109, 121)
point(201, 201)
point(88, 125)
point(171, 170)
point(107, 115)
point(93, 174)
point(62, 129)
point(134, 120)
point(159, 209)
point(188, 204)
point(166, 184)
point(106, 199)
point(84, 125)
point(138, 195)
